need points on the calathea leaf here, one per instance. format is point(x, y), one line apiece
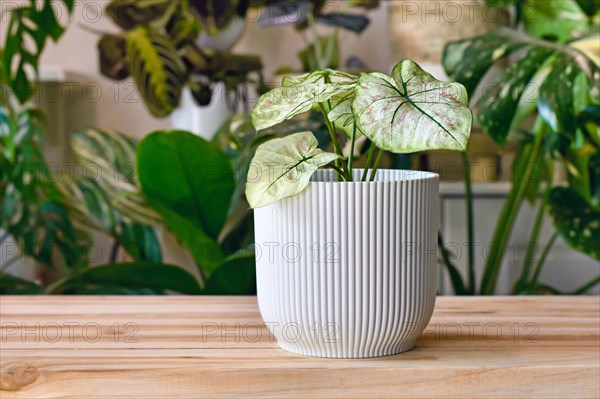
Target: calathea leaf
point(576, 220)
point(130, 13)
point(158, 71)
point(297, 95)
point(282, 168)
point(112, 155)
point(352, 22)
point(215, 15)
point(412, 111)
point(467, 60)
point(556, 95)
point(113, 57)
point(497, 107)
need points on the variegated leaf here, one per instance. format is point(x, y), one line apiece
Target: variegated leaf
point(497, 108)
point(299, 94)
point(282, 168)
point(412, 111)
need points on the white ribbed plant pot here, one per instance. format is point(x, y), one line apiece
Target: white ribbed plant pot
point(348, 270)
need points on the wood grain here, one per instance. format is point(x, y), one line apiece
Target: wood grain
point(192, 347)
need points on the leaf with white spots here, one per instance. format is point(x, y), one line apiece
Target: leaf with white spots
point(467, 60)
point(412, 111)
point(299, 94)
point(556, 95)
point(497, 107)
point(577, 221)
point(282, 168)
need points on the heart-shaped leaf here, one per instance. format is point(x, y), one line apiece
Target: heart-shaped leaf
point(576, 220)
point(299, 94)
point(282, 168)
point(412, 111)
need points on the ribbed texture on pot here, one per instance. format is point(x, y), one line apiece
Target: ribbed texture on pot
point(349, 269)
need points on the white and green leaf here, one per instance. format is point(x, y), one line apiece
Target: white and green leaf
point(283, 167)
point(412, 111)
point(299, 94)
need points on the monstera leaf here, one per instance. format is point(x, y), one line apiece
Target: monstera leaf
point(29, 28)
point(158, 71)
point(299, 94)
point(282, 168)
point(412, 111)
point(576, 220)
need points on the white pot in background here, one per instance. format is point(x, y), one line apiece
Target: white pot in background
point(202, 121)
point(348, 270)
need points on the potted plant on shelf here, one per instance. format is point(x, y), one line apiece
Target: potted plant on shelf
point(346, 258)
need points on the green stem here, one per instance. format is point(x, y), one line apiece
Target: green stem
point(351, 154)
point(335, 142)
point(470, 223)
point(340, 172)
point(533, 239)
point(542, 260)
point(587, 286)
point(376, 166)
point(368, 163)
point(508, 215)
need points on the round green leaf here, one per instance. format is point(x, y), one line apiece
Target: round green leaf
point(412, 111)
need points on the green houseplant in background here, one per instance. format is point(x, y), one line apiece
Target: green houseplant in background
point(52, 219)
point(554, 49)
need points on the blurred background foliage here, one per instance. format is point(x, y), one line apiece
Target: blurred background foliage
point(192, 188)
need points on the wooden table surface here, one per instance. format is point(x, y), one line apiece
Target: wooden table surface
point(205, 347)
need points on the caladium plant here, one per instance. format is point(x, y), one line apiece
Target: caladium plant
point(406, 112)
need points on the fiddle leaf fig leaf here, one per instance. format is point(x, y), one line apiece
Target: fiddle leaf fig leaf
point(576, 220)
point(282, 168)
point(299, 94)
point(412, 111)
